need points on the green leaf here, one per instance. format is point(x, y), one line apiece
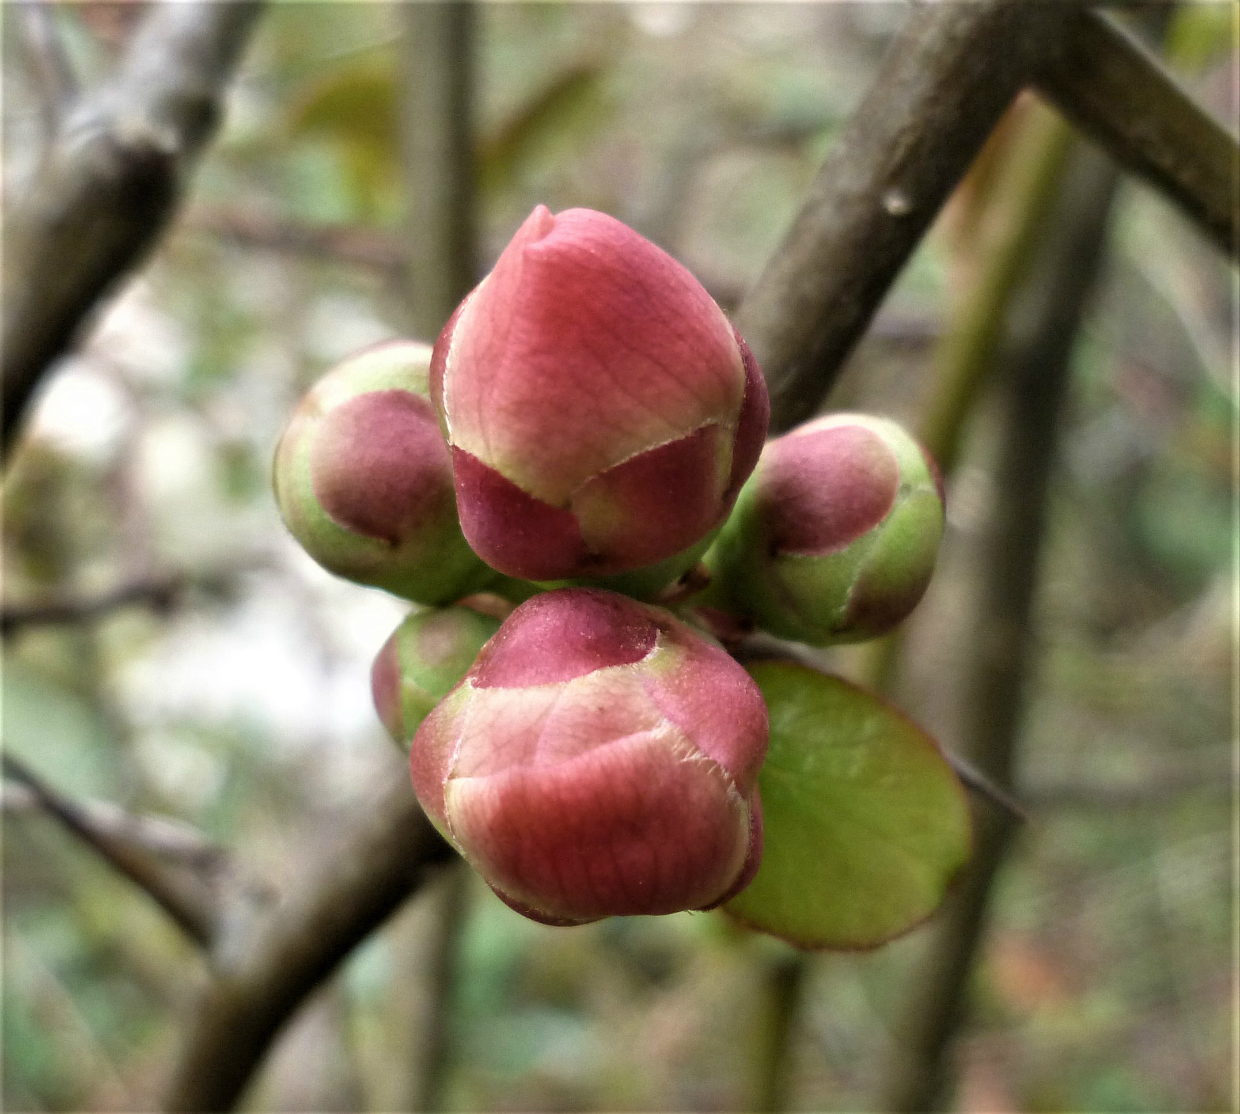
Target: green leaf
point(865, 822)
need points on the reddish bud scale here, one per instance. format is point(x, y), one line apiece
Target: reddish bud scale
point(834, 537)
point(599, 758)
point(363, 479)
point(602, 412)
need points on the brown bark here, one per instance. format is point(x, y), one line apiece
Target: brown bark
point(948, 77)
point(110, 182)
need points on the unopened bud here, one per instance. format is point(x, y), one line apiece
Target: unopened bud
point(835, 535)
point(602, 411)
point(600, 758)
point(364, 481)
point(420, 663)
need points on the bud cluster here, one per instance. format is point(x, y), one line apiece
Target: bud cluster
point(581, 434)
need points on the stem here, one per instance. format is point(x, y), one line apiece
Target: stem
point(948, 78)
point(1045, 322)
point(377, 865)
point(1111, 86)
point(186, 897)
point(109, 184)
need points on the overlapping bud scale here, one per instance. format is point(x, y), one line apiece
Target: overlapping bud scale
point(601, 410)
point(835, 535)
point(364, 481)
point(599, 758)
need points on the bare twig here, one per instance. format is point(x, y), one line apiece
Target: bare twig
point(167, 838)
point(1107, 83)
point(763, 647)
point(49, 65)
point(158, 594)
point(949, 76)
point(347, 894)
point(1043, 325)
point(109, 183)
point(366, 247)
point(186, 897)
point(437, 134)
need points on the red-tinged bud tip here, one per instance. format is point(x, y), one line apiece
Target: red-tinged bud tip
point(835, 536)
point(364, 480)
point(590, 382)
point(600, 758)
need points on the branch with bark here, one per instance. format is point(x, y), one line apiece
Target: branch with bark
point(188, 897)
point(264, 976)
point(1104, 80)
point(948, 77)
point(110, 181)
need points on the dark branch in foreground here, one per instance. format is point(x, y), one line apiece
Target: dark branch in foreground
point(348, 894)
point(948, 77)
point(186, 897)
point(110, 182)
point(1119, 94)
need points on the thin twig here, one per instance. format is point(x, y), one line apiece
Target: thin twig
point(159, 594)
point(348, 893)
point(169, 839)
point(948, 77)
point(110, 182)
point(1111, 86)
point(344, 243)
point(49, 65)
point(184, 896)
point(763, 647)
point(1043, 324)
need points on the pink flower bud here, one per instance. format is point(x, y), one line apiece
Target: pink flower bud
point(602, 411)
point(364, 480)
point(834, 537)
point(599, 759)
point(421, 662)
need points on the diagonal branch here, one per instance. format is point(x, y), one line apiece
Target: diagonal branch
point(186, 897)
point(159, 593)
point(348, 893)
point(948, 77)
point(1119, 94)
point(166, 838)
point(110, 182)
point(49, 65)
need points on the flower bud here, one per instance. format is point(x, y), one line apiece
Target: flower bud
point(419, 664)
point(602, 411)
point(599, 759)
point(363, 479)
point(835, 535)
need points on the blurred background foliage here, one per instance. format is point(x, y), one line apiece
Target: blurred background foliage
point(239, 704)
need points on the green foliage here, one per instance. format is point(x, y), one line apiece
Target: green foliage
point(866, 824)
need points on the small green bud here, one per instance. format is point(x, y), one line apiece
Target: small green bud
point(363, 479)
point(421, 662)
point(835, 535)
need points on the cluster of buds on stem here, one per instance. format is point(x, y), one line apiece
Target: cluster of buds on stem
point(585, 426)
